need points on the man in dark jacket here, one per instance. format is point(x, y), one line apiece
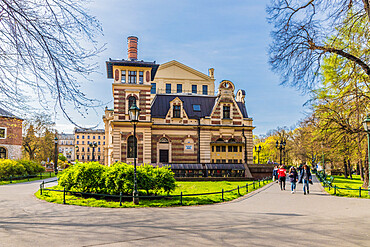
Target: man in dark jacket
point(306, 178)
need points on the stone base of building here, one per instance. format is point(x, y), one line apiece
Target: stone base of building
point(13, 152)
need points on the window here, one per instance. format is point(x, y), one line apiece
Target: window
point(99, 137)
point(88, 142)
point(88, 137)
point(132, 77)
point(78, 137)
point(163, 140)
point(235, 161)
point(78, 142)
point(229, 149)
point(83, 150)
point(131, 147)
point(218, 161)
point(168, 88)
point(153, 90)
point(131, 101)
point(235, 149)
point(98, 149)
point(230, 161)
point(205, 89)
point(226, 112)
point(218, 148)
point(93, 137)
point(176, 111)
point(141, 77)
point(223, 148)
point(123, 76)
point(88, 149)
point(213, 149)
point(77, 156)
point(179, 88)
point(103, 143)
point(83, 142)
point(104, 137)
point(99, 157)
point(240, 149)
point(88, 157)
point(99, 141)
point(194, 89)
point(83, 137)
point(223, 161)
point(83, 157)
point(196, 107)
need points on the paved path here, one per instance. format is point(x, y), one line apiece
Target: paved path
point(269, 217)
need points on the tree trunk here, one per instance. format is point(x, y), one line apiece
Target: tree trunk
point(350, 169)
point(357, 169)
point(345, 168)
point(365, 185)
point(361, 171)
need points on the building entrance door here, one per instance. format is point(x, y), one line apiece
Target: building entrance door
point(163, 156)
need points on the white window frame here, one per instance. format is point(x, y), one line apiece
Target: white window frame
point(5, 132)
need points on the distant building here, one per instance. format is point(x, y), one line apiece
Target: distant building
point(66, 146)
point(10, 135)
point(181, 121)
point(84, 142)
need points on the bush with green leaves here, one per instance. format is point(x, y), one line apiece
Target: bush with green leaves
point(117, 178)
point(16, 168)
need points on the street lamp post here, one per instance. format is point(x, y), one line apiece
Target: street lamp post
point(367, 129)
point(56, 155)
point(281, 147)
point(134, 112)
point(93, 145)
point(258, 150)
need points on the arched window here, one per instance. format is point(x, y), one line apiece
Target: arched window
point(131, 101)
point(131, 150)
point(220, 140)
point(2, 153)
point(163, 140)
point(232, 140)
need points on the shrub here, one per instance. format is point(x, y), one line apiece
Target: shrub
point(11, 168)
point(93, 177)
point(31, 167)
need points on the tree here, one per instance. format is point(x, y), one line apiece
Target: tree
point(41, 50)
point(301, 32)
point(38, 139)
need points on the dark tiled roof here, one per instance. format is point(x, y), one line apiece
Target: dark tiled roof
point(4, 113)
point(243, 109)
point(136, 63)
point(161, 105)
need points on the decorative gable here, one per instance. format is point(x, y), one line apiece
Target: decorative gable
point(174, 69)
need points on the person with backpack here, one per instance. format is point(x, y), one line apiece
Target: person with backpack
point(275, 174)
point(293, 177)
point(282, 177)
point(305, 178)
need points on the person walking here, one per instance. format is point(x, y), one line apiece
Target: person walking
point(275, 174)
point(305, 178)
point(293, 177)
point(282, 177)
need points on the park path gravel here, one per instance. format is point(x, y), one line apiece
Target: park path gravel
point(267, 217)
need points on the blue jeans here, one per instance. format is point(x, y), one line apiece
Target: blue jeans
point(293, 185)
point(305, 186)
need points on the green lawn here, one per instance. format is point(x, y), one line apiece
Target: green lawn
point(184, 187)
point(38, 177)
point(355, 183)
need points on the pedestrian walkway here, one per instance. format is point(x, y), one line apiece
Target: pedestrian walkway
point(267, 217)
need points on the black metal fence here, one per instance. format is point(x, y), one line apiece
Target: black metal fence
point(40, 175)
point(249, 186)
point(328, 183)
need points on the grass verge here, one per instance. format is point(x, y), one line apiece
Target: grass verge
point(184, 187)
point(351, 187)
point(38, 177)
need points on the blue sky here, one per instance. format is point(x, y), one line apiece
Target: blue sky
point(230, 36)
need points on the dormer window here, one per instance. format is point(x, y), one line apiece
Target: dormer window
point(196, 107)
point(176, 111)
point(123, 76)
point(226, 112)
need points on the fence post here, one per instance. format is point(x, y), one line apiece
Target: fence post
point(28, 177)
point(120, 199)
point(43, 184)
point(50, 174)
point(41, 189)
point(11, 179)
point(64, 195)
point(223, 195)
point(259, 183)
point(181, 198)
point(359, 191)
point(253, 185)
point(335, 189)
point(238, 191)
point(40, 175)
point(246, 187)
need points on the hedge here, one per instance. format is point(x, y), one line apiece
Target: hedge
point(17, 168)
point(93, 177)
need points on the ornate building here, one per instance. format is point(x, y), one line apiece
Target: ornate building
point(182, 121)
point(89, 145)
point(66, 146)
point(10, 136)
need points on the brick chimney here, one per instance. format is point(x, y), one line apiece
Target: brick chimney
point(132, 47)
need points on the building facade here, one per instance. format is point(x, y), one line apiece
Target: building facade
point(66, 146)
point(10, 136)
point(181, 121)
point(89, 145)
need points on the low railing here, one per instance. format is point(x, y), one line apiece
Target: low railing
point(329, 184)
point(249, 186)
point(41, 176)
